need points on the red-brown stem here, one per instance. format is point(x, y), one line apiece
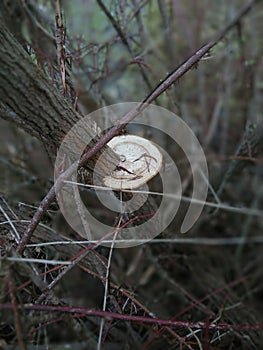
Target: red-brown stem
point(132, 318)
point(15, 308)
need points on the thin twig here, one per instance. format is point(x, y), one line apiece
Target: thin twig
point(122, 36)
point(16, 234)
point(217, 205)
point(106, 288)
point(216, 241)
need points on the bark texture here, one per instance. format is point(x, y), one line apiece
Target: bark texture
point(29, 99)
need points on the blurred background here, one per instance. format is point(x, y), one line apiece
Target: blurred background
point(118, 51)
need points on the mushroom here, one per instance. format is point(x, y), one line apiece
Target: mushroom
point(140, 160)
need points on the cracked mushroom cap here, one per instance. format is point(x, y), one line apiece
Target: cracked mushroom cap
point(140, 160)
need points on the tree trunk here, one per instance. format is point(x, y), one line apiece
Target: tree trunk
point(29, 100)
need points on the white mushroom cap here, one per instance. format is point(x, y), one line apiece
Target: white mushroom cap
point(140, 160)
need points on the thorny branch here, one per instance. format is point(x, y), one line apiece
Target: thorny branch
point(114, 131)
point(118, 316)
point(123, 38)
point(60, 41)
